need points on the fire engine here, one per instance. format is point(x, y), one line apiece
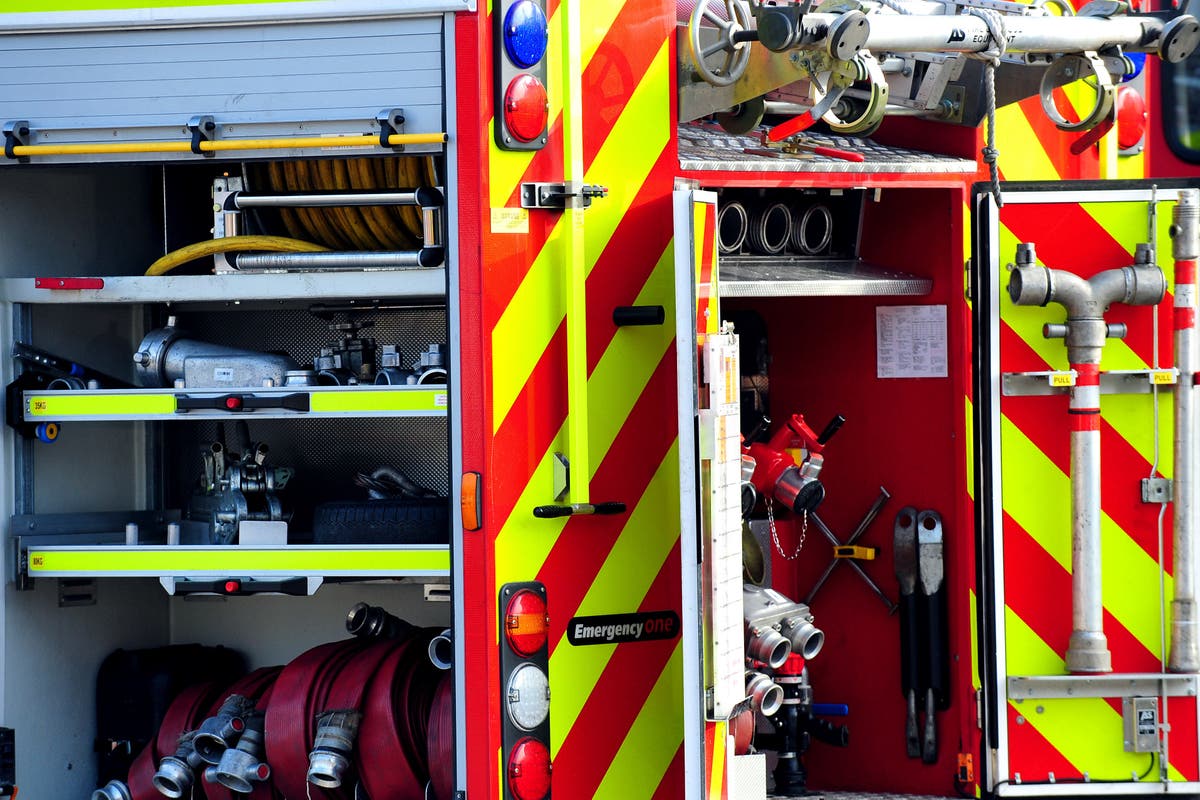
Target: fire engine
point(515, 399)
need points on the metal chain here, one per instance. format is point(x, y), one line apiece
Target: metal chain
point(775, 531)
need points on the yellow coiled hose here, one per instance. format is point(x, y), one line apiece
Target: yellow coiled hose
point(230, 244)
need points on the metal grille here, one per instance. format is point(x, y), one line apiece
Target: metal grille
point(707, 148)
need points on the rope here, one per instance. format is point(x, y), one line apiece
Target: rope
point(998, 32)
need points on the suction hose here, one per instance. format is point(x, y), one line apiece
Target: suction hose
point(770, 229)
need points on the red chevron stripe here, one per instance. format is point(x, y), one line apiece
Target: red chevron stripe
point(529, 428)
point(1067, 237)
point(617, 699)
point(1032, 755)
point(625, 263)
point(671, 787)
point(1038, 590)
point(1181, 713)
point(639, 240)
point(1042, 420)
point(1056, 143)
point(585, 542)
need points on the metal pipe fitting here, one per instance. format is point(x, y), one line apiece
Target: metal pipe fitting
point(221, 731)
point(733, 223)
point(812, 231)
point(1086, 301)
point(242, 766)
point(1184, 650)
point(770, 229)
point(374, 622)
point(767, 646)
point(807, 639)
point(176, 773)
point(425, 257)
point(766, 697)
point(113, 790)
point(441, 650)
point(333, 748)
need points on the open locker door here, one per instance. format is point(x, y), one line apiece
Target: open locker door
point(1073, 456)
point(710, 481)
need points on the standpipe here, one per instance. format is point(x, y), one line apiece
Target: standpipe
point(1085, 333)
point(1184, 649)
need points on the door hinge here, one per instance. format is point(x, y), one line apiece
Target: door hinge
point(979, 708)
point(560, 196)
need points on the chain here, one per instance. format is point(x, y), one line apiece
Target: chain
point(775, 531)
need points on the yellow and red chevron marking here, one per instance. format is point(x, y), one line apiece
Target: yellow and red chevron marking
point(616, 719)
point(716, 740)
point(1073, 736)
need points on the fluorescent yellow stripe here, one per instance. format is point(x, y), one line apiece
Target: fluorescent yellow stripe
point(1037, 496)
point(524, 543)
point(381, 400)
point(652, 741)
point(536, 310)
point(719, 732)
point(1022, 157)
point(61, 405)
point(628, 572)
point(975, 668)
point(238, 561)
point(1129, 416)
point(1087, 731)
point(969, 412)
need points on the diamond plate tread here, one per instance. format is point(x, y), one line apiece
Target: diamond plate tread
point(706, 147)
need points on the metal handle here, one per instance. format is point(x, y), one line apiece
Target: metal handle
point(579, 509)
point(236, 403)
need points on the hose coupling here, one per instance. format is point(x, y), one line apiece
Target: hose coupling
point(241, 766)
point(333, 748)
point(375, 623)
point(113, 790)
point(221, 731)
point(176, 773)
point(766, 697)
point(806, 638)
point(767, 646)
point(441, 650)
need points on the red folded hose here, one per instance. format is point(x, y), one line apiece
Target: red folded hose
point(440, 744)
point(406, 733)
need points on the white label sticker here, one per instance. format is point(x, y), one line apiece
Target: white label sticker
point(441, 400)
point(910, 342)
point(223, 374)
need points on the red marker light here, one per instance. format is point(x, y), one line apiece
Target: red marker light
point(233, 403)
point(526, 109)
point(232, 586)
point(529, 770)
point(526, 622)
point(1131, 117)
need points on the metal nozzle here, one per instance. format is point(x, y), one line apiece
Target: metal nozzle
point(374, 622)
point(332, 748)
point(221, 731)
point(242, 765)
point(766, 696)
point(768, 646)
point(807, 639)
point(174, 777)
point(441, 650)
point(113, 790)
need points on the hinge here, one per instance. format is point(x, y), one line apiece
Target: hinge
point(560, 196)
point(979, 708)
point(1156, 490)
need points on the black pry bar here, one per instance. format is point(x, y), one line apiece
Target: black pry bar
point(297, 401)
point(578, 509)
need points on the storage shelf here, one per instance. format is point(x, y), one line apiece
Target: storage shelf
point(422, 284)
point(107, 405)
point(282, 561)
point(783, 276)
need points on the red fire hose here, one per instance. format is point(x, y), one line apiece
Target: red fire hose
point(405, 737)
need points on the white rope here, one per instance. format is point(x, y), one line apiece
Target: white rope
point(998, 32)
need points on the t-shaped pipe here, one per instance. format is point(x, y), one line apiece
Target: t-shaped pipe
point(1084, 333)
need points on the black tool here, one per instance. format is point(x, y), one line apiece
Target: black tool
point(932, 613)
point(904, 552)
point(64, 367)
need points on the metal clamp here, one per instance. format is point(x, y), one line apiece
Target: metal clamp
point(391, 123)
point(203, 128)
point(1068, 69)
point(559, 196)
point(16, 133)
point(873, 110)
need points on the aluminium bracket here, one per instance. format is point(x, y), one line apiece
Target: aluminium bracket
point(203, 129)
point(16, 133)
point(560, 196)
point(391, 122)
